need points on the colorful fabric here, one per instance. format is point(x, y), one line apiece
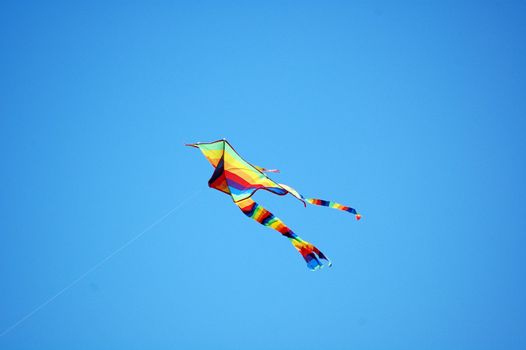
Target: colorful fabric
point(310, 253)
point(240, 179)
point(334, 205)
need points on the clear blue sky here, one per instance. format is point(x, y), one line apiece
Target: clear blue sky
point(412, 112)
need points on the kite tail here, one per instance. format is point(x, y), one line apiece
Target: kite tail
point(265, 170)
point(334, 205)
point(310, 253)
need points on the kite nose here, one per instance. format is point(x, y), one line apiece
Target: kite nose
point(358, 216)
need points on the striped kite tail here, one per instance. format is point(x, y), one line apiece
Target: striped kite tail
point(334, 205)
point(310, 253)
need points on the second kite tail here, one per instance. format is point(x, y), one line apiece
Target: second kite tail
point(333, 205)
point(310, 253)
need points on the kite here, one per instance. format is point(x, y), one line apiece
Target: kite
point(240, 179)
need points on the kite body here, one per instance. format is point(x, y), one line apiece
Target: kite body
point(240, 179)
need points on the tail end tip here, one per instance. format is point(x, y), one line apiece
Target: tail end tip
point(358, 216)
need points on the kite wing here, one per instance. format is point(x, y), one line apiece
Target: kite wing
point(240, 179)
point(235, 176)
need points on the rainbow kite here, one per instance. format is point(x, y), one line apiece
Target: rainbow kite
point(240, 179)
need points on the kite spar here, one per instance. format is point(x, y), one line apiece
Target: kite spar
point(240, 179)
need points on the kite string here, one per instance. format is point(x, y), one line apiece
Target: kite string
point(100, 263)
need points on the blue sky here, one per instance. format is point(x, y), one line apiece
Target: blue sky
point(411, 112)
